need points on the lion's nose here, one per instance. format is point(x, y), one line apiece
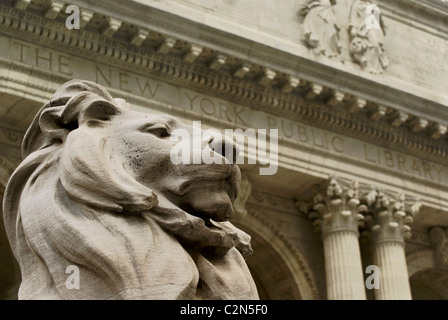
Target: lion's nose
point(226, 147)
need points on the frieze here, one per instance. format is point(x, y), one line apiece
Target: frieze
point(203, 79)
point(291, 132)
point(121, 54)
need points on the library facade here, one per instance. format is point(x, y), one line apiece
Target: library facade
point(357, 207)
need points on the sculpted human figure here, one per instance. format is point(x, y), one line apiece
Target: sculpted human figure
point(320, 28)
point(367, 38)
point(97, 190)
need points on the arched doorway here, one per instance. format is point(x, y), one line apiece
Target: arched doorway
point(428, 282)
point(277, 266)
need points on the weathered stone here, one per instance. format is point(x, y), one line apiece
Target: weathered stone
point(321, 30)
point(97, 193)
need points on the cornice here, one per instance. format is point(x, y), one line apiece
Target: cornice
point(289, 60)
point(434, 8)
point(259, 86)
point(429, 12)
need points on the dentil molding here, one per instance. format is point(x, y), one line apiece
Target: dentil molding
point(207, 70)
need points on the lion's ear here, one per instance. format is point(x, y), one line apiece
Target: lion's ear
point(98, 111)
point(88, 108)
point(76, 102)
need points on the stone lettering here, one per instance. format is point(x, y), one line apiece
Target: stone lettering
point(301, 134)
point(124, 82)
point(64, 65)
point(108, 80)
point(366, 155)
point(21, 51)
point(272, 122)
point(151, 89)
point(303, 137)
point(223, 110)
point(415, 168)
point(427, 171)
point(45, 57)
point(191, 99)
point(319, 139)
point(288, 133)
point(439, 172)
point(41, 58)
point(389, 161)
point(338, 144)
point(207, 106)
point(238, 119)
point(401, 163)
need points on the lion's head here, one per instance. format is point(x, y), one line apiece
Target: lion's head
point(97, 190)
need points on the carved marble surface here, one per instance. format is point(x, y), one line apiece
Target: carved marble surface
point(366, 29)
point(177, 67)
point(367, 42)
point(379, 215)
point(320, 27)
point(97, 190)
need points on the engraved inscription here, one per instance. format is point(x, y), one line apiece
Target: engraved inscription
point(41, 58)
point(236, 115)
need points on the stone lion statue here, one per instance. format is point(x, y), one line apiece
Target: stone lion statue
point(97, 190)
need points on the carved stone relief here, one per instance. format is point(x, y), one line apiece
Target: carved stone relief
point(388, 217)
point(366, 41)
point(366, 31)
point(320, 28)
point(378, 214)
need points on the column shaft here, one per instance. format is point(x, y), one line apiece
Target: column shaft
point(394, 279)
point(343, 266)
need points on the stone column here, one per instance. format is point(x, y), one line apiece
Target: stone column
point(335, 213)
point(388, 218)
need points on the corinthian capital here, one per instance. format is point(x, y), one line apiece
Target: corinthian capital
point(389, 216)
point(335, 206)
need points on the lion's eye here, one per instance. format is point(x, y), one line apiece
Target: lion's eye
point(158, 130)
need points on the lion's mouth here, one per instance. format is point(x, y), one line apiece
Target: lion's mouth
point(210, 197)
point(221, 213)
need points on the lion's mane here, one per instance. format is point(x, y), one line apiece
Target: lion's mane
point(64, 208)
